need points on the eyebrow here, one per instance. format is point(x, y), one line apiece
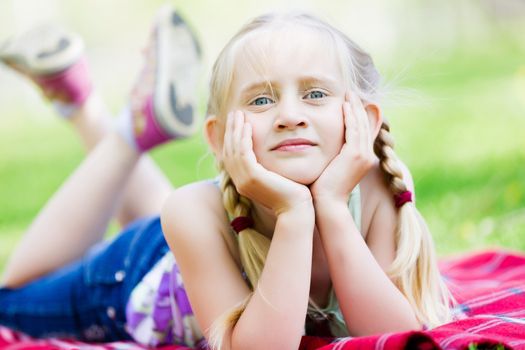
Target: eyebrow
point(257, 87)
point(319, 80)
point(265, 85)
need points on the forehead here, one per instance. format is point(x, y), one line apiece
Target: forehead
point(286, 52)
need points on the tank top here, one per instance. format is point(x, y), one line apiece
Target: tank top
point(329, 321)
point(158, 311)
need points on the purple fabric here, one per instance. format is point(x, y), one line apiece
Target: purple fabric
point(159, 311)
point(180, 294)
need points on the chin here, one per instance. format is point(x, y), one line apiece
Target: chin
point(302, 177)
point(301, 172)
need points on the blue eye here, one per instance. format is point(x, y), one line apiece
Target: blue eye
point(261, 101)
point(315, 94)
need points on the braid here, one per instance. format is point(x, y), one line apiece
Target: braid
point(253, 248)
point(415, 268)
point(384, 149)
point(415, 265)
point(234, 203)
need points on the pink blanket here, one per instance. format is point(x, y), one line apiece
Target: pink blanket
point(489, 286)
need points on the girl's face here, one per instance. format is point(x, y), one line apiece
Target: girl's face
point(292, 96)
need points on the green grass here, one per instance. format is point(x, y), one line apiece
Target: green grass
point(464, 143)
point(461, 135)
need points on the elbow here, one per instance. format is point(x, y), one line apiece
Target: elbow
point(14, 279)
point(261, 340)
point(410, 323)
point(385, 324)
point(407, 323)
point(266, 343)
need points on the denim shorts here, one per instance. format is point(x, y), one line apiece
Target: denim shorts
point(86, 300)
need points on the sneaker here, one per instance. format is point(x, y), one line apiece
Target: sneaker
point(163, 99)
point(54, 59)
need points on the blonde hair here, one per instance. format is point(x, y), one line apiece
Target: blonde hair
point(414, 268)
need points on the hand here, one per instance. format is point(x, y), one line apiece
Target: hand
point(251, 179)
point(354, 160)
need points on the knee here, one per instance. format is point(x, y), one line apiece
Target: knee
point(11, 281)
point(17, 275)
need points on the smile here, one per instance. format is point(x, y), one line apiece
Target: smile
point(294, 145)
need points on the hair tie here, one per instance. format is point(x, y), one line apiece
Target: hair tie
point(241, 222)
point(402, 198)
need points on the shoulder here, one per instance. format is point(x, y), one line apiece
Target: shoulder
point(194, 214)
point(201, 192)
point(376, 196)
point(196, 226)
point(198, 203)
point(379, 215)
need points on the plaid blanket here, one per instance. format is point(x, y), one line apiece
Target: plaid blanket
point(489, 287)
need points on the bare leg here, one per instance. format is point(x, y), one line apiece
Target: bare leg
point(77, 215)
point(114, 177)
point(161, 101)
point(147, 186)
point(70, 83)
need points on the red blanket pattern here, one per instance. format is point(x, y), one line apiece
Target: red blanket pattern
point(489, 287)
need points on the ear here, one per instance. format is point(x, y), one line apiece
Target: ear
point(213, 135)
point(375, 118)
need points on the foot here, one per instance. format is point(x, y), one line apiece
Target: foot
point(163, 99)
point(54, 59)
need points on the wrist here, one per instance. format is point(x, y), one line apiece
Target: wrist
point(302, 209)
point(330, 209)
point(332, 193)
point(326, 200)
point(301, 215)
point(301, 206)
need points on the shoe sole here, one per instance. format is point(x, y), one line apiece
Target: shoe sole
point(178, 63)
point(43, 50)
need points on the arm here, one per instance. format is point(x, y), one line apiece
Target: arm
point(213, 280)
point(274, 317)
point(369, 301)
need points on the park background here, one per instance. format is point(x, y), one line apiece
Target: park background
point(454, 72)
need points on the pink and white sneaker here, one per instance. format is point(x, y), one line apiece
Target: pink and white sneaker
point(54, 59)
point(163, 99)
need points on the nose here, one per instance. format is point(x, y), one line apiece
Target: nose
point(289, 117)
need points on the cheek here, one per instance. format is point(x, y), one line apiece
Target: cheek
point(333, 130)
point(258, 133)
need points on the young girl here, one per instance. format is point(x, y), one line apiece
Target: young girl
point(310, 227)
point(294, 121)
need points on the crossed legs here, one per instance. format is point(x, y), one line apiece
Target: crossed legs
point(116, 179)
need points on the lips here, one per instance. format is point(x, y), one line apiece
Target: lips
point(293, 144)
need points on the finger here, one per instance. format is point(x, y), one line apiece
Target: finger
point(369, 141)
point(248, 154)
point(227, 147)
point(238, 125)
point(350, 130)
point(361, 120)
point(363, 128)
point(246, 141)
